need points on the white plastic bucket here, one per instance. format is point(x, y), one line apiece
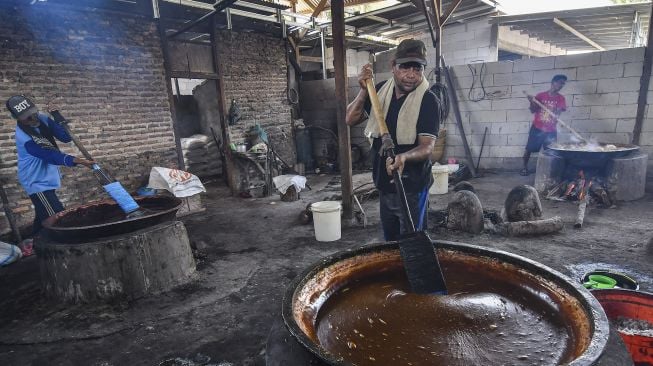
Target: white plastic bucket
point(440, 179)
point(326, 220)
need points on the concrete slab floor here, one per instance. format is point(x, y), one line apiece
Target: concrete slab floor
point(247, 251)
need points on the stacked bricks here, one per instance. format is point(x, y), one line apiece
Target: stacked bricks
point(601, 96)
point(255, 75)
point(105, 72)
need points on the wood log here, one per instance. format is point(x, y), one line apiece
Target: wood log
point(526, 228)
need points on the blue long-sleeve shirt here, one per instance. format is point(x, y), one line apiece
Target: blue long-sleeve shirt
point(38, 169)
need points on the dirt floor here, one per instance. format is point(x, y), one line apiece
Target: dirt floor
point(247, 251)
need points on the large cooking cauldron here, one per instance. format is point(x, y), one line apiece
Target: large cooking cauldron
point(105, 218)
point(592, 155)
point(308, 305)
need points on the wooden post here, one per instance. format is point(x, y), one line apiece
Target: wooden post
point(230, 167)
point(171, 98)
point(643, 83)
point(459, 120)
point(344, 153)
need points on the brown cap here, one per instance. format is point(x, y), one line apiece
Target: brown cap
point(411, 50)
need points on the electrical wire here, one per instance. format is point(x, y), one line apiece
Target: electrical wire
point(480, 79)
point(441, 92)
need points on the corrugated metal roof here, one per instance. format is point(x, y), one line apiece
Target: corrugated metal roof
point(400, 21)
point(607, 27)
point(404, 19)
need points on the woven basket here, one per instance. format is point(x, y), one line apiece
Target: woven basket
point(440, 143)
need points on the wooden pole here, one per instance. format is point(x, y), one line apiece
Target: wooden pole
point(168, 77)
point(9, 213)
point(230, 167)
point(459, 119)
point(338, 26)
point(644, 82)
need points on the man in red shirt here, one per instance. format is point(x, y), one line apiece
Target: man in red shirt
point(543, 131)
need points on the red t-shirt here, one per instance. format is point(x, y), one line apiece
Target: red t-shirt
point(543, 120)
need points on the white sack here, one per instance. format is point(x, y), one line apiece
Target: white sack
point(283, 182)
point(177, 182)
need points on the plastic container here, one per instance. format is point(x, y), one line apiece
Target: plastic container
point(440, 179)
point(633, 305)
point(622, 280)
point(326, 220)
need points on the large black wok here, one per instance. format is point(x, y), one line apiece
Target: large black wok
point(105, 218)
point(592, 155)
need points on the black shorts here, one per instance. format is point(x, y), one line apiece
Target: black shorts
point(538, 139)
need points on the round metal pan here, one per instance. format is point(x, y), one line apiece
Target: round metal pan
point(105, 218)
point(311, 289)
point(591, 156)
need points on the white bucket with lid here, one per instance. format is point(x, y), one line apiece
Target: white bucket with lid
point(326, 220)
point(440, 179)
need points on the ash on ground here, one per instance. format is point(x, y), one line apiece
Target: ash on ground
point(631, 326)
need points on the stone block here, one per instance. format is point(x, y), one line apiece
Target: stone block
point(617, 111)
point(519, 115)
point(465, 53)
point(515, 78)
point(482, 105)
point(505, 151)
point(625, 125)
point(594, 125)
point(487, 116)
point(609, 57)
point(633, 69)
point(503, 104)
point(502, 67)
point(532, 64)
point(630, 55)
point(628, 97)
point(576, 113)
point(595, 99)
point(618, 85)
point(545, 76)
point(510, 127)
point(517, 139)
point(581, 87)
point(600, 72)
point(583, 59)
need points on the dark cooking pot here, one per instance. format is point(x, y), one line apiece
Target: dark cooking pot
point(584, 319)
point(591, 156)
point(105, 218)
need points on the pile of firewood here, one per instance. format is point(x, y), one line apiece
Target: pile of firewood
point(583, 190)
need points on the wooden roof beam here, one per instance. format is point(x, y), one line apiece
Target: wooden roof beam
point(578, 34)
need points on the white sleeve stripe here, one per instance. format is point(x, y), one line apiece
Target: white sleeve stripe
point(428, 135)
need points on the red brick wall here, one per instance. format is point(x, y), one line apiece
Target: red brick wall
point(255, 75)
point(105, 72)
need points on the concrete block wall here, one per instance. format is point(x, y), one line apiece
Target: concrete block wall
point(470, 42)
point(255, 75)
point(601, 95)
point(105, 72)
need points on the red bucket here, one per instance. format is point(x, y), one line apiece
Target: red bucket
point(633, 305)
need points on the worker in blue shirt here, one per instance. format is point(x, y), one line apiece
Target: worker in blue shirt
point(39, 156)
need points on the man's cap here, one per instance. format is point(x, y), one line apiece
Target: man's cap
point(21, 107)
point(411, 50)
